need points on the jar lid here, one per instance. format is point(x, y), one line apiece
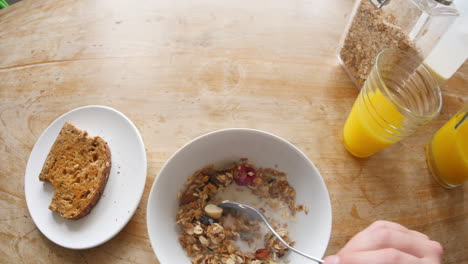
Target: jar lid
point(445, 2)
point(380, 3)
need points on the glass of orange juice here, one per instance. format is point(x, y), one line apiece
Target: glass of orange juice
point(399, 95)
point(447, 151)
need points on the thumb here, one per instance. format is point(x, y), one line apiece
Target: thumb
point(335, 259)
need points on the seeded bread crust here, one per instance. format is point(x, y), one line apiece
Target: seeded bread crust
point(78, 167)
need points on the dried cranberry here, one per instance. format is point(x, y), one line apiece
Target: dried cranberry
point(245, 175)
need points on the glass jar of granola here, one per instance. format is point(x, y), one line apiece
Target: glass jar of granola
point(413, 26)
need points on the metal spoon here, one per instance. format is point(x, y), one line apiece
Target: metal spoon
point(258, 215)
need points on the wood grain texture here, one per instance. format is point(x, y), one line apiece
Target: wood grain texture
point(181, 68)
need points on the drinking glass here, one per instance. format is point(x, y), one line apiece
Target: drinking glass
point(447, 151)
point(399, 95)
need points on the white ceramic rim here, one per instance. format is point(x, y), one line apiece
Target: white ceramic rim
point(240, 129)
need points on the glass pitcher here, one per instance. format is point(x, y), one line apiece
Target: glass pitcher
point(447, 151)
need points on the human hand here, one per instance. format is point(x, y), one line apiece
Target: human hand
point(388, 243)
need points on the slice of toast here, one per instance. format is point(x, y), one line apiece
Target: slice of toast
point(77, 166)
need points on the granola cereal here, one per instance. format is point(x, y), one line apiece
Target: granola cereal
point(371, 31)
point(212, 235)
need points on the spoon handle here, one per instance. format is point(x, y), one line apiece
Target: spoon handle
point(258, 215)
point(287, 245)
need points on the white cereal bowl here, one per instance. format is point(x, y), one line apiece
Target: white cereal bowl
point(311, 232)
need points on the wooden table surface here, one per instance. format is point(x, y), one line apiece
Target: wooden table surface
point(181, 68)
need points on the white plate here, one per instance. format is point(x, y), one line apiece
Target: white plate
point(311, 232)
point(123, 190)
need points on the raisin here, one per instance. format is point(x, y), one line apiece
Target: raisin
point(214, 178)
point(206, 220)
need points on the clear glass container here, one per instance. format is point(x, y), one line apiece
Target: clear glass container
point(414, 26)
point(452, 49)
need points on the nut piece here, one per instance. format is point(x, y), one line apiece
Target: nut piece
point(262, 253)
point(188, 197)
point(214, 211)
point(198, 230)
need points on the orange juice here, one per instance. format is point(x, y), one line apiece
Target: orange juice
point(372, 124)
point(398, 96)
point(448, 152)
